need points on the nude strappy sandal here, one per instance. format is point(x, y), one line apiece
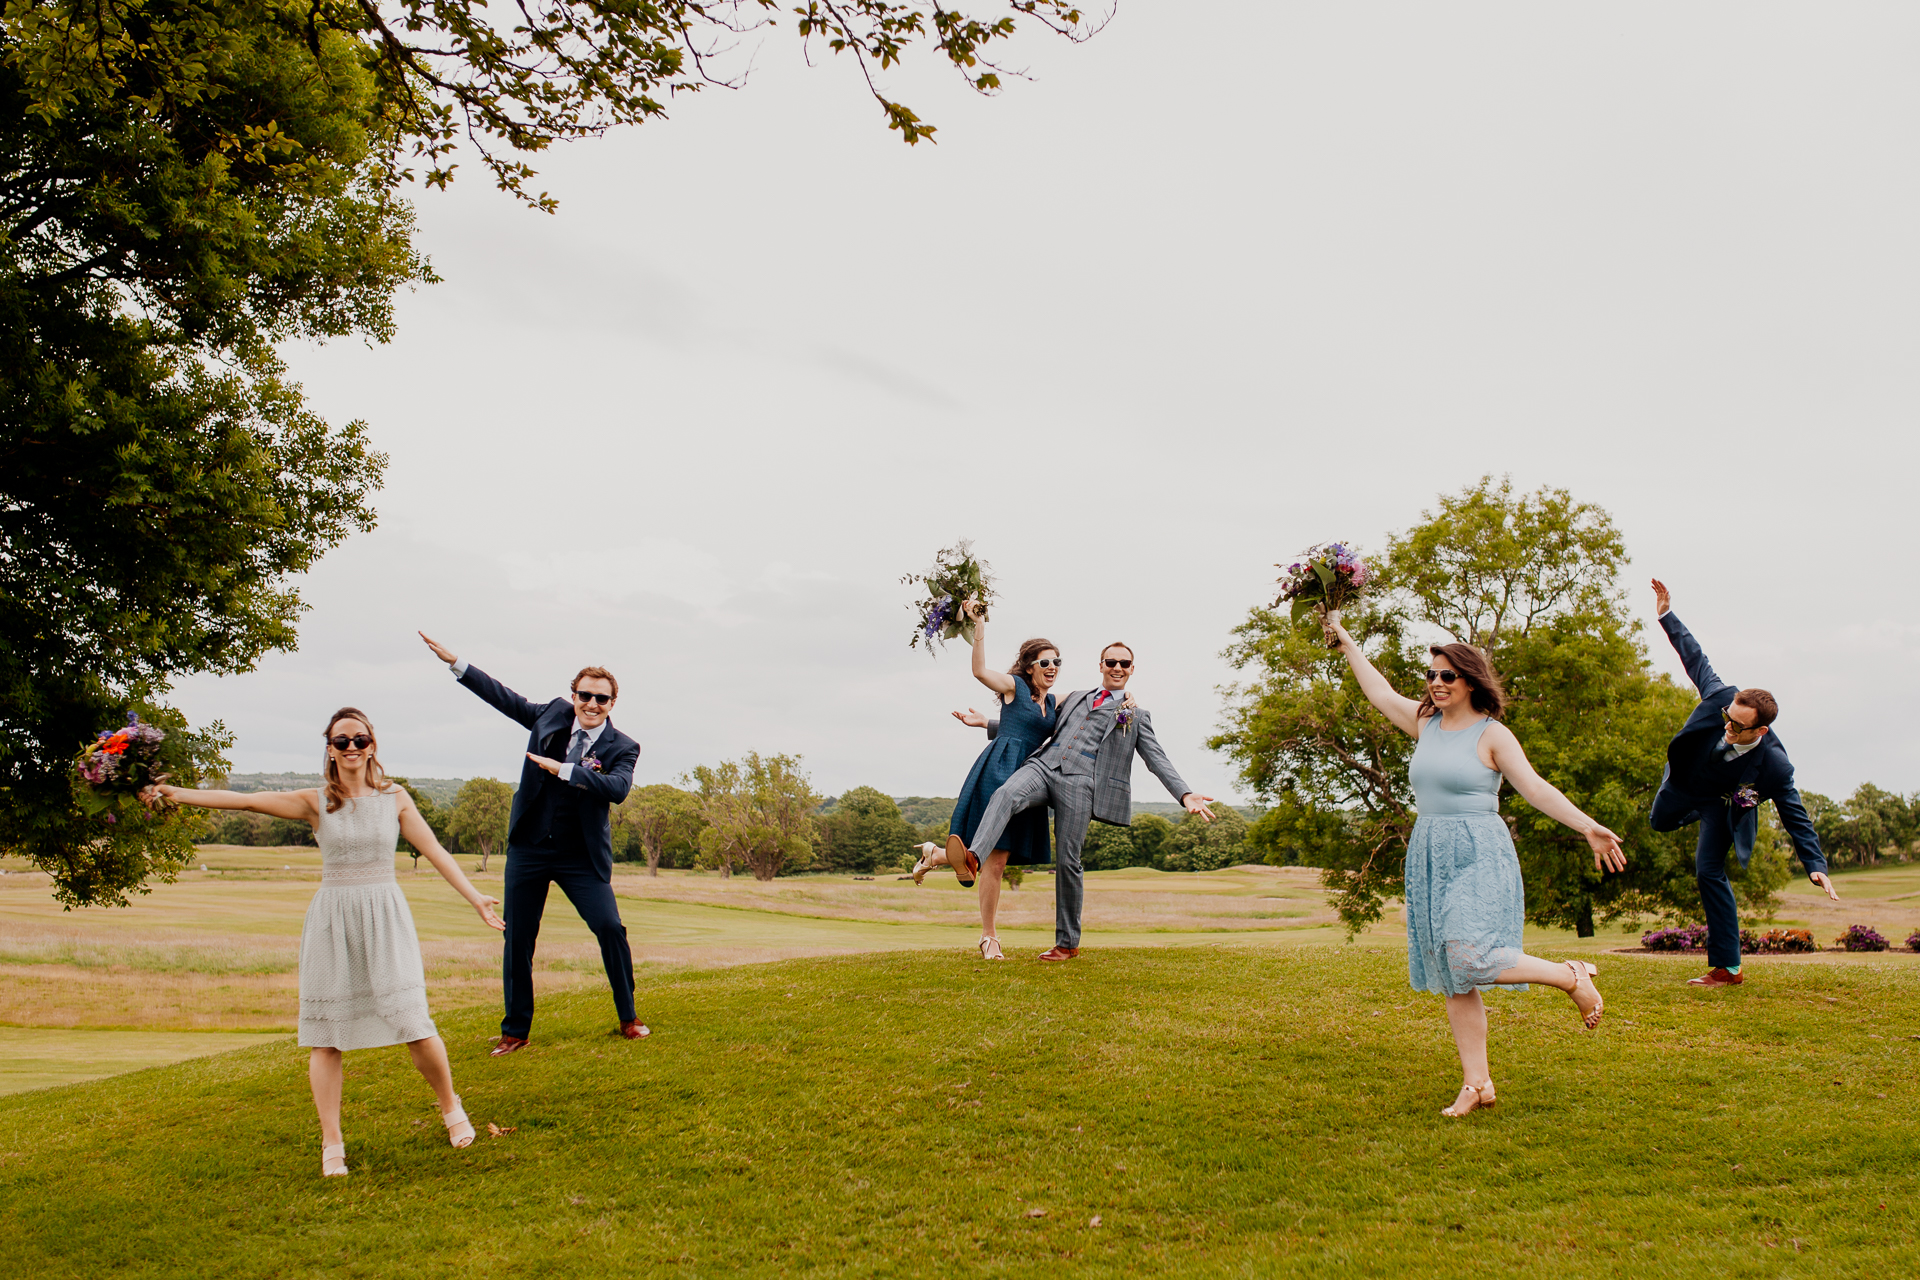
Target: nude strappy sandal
point(1584, 972)
point(990, 949)
point(333, 1161)
point(925, 864)
point(459, 1128)
point(1473, 1097)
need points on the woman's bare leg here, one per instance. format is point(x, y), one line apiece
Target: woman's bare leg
point(990, 880)
point(324, 1073)
point(430, 1060)
point(1548, 973)
point(1467, 1015)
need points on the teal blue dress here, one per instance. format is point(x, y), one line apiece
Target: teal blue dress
point(1466, 907)
point(1024, 725)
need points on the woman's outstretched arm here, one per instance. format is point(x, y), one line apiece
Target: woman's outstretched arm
point(1510, 759)
point(998, 681)
point(420, 836)
point(1402, 710)
point(297, 806)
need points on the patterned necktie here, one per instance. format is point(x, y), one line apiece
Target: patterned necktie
point(579, 750)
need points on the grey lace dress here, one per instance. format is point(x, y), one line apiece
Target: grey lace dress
point(361, 981)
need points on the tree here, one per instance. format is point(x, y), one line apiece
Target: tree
point(1198, 845)
point(759, 812)
point(481, 813)
point(666, 820)
point(438, 820)
point(862, 832)
point(1533, 580)
point(1143, 844)
point(188, 184)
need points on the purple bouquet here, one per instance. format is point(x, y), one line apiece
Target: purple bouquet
point(954, 578)
point(1323, 579)
point(120, 764)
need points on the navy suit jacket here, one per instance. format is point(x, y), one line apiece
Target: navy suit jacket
point(608, 785)
point(1765, 768)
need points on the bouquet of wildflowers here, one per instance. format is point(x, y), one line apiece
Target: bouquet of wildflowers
point(1323, 579)
point(119, 764)
point(954, 578)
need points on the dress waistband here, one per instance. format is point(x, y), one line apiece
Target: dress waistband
point(373, 873)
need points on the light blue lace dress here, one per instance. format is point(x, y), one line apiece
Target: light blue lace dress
point(1465, 903)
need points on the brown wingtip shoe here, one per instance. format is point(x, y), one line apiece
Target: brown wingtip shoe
point(1717, 978)
point(966, 867)
point(635, 1030)
point(507, 1045)
point(1060, 953)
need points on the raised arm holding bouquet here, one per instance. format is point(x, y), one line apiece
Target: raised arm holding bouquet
point(1323, 581)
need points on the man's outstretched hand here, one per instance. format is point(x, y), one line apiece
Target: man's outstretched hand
point(439, 651)
point(1194, 802)
point(1661, 600)
point(1820, 878)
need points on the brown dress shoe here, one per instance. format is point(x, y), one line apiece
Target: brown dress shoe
point(635, 1030)
point(1060, 953)
point(1717, 978)
point(507, 1045)
point(966, 867)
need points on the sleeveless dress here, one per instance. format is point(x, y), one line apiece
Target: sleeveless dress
point(362, 984)
point(1465, 904)
point(1024, 725)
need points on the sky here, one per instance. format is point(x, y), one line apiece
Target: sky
point(1189, 299)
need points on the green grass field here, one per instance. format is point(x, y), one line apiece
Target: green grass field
point(1229, 1110)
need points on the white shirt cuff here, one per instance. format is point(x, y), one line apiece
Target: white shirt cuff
point(459, 668)
point(1663, 613)
point(566, 773)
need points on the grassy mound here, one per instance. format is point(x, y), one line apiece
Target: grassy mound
point(1244, 1111)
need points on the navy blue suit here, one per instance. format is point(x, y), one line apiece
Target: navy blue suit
point(560, 833)
point(1700, 785)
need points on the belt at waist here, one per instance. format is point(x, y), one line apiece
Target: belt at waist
point(371, 874)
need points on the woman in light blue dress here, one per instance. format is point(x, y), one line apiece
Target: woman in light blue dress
point(1465, 903)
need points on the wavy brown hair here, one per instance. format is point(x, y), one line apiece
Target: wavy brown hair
point(1030, 651)
point(376, 776)
point(1486, 694)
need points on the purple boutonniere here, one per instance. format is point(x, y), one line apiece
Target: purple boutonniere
point(593, 763)
point(1124, 718)
point(1746, 798)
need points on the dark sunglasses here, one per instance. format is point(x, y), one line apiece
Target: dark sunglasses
point(1444, 677)
point(1047, 662)
point(359, 742)
point(1122, 663)
point(1727, 717)
point(602, 698)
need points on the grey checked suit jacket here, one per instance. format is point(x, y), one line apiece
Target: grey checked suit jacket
point(1113, 768)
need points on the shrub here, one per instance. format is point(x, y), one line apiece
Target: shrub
point(1859, 937)
point(1913, 940)
point(1779, 942)
point(1692, 937)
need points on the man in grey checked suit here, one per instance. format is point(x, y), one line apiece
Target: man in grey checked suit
point(1085, 772)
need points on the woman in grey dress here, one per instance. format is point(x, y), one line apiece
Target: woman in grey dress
point(362, 984)
point(1465, 903)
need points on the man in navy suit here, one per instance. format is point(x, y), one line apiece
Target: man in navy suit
point(559, 832)
point(1720, 767)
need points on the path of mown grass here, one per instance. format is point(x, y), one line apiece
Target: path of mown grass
point(1224, 1111)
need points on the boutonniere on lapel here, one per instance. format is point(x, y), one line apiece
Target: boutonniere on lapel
point(1747, 797)
point(1123, 718)
point(593, 763)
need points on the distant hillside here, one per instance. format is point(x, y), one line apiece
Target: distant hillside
point(439, 790)
point(926, 811)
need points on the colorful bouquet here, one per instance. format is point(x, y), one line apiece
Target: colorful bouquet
point(120, 764)
point(954, 578)
point(1322, 580)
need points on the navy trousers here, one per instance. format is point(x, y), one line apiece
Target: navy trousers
point(529, 871)
point(1671, 811)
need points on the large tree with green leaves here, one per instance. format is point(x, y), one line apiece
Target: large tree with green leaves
point(759, 813)
point(1532, 579)
point(480, 816)
point(184, 185)
point(862, 833)
point(665, 820)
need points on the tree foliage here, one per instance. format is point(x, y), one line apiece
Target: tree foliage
point(1869, 825)
point(862, 833)
point(759, 814)
point(1142, 843)
point(1198, 845)
point(667, 822)
point(1533, 580)
point(481, 813)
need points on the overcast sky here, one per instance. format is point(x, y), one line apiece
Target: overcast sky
point(1192, 299)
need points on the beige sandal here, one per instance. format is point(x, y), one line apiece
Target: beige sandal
point(925, 864)
point(333, 1161)
point(990, 949)
point(459, 1128)
point(1472, 1097)
point(1584, 972)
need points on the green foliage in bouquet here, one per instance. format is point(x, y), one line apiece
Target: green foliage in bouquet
point(954, 578)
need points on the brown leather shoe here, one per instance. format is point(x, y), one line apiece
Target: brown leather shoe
point(635, 1030)
point(1060, 953)
point(507, 1045)
point(1717, 978)
point(966, 867)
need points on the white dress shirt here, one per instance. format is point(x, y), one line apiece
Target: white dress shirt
point(459, 670)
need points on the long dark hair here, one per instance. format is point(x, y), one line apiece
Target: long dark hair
point(376, 776)
point(1486, 695)
point(1030, 651)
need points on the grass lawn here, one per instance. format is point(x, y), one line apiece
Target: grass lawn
point(1243, 1110)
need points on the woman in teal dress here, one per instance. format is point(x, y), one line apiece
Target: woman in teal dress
point(1465, 902)
point(1026, 720)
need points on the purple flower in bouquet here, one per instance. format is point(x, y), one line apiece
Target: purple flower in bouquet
point(1324, 579)
point(953, 580)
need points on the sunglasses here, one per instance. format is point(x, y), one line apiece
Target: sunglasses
point(1726, 718)
point(1044, 663)
point(1444, 677)
point(1122, 663)
point(602, 698)
point(359, 742)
